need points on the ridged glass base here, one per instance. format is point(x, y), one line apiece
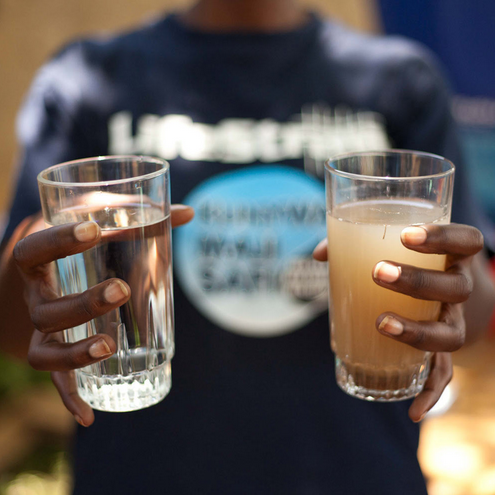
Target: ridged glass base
point(389, 385)
point(118, 393)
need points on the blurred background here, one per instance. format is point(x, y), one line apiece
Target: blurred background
point(457, 450)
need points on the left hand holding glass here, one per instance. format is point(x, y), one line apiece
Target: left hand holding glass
point(452, 288)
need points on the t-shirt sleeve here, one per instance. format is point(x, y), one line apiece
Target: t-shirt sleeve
point(48, 133)
point(430, 127)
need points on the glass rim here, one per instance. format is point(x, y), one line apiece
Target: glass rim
point(391, 152)
point(104, 158)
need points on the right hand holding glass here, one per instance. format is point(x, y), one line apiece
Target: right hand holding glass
point(52, 314)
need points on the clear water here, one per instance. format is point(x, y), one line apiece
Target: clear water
point(135, 247)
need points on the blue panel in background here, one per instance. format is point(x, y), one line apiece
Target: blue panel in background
point(460, 32)
point(462, 35)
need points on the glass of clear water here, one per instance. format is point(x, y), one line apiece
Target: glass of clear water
point(129, 198)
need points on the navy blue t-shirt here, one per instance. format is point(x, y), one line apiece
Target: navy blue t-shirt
point(246, 121)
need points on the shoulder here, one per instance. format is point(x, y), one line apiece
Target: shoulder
point(397, 77)
point(86, 71)
point(82, 62)
point(379, 55)
point(78, 77)
point(347, 45)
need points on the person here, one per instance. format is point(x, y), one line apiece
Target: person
point(242, 98)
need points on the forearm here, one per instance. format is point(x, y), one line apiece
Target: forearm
point(479, 308)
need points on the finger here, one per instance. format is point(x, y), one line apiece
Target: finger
point(75, 309)
point(446, 335)
point(320, 252)
point(65, 383)
point(53, 355)
point(181, 214)
point(453, 286)
point(439, 378)
point(454, 239)
point(54, 243)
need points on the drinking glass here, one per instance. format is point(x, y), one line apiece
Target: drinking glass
point(129, 198)
point(371, 197)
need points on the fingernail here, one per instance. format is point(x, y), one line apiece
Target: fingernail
point(321, 244)
point(99, 349)
point(391, 325)
point(115, 292)
point(79, 420)
point(421, 417)
point(386, 272)
point(87, 231)
point(414, 236)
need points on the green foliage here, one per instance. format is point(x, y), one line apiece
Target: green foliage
point(16, 376)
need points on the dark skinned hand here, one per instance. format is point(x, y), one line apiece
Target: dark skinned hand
point(52, 314)
point(452, 288)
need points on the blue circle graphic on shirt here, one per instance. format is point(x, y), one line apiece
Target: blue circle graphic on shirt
point(245, 260)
